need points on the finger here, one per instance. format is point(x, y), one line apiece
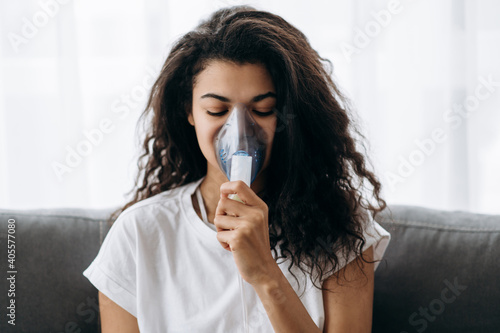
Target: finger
point(225, 222)
point(225, 238)
point(235, 197)
point(230, 207)
point(244, 192)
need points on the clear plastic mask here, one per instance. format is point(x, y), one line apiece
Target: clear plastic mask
point(241, 145)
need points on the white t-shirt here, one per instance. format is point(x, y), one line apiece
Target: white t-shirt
point(164, 265)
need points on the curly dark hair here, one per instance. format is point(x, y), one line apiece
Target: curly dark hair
point(317, 211)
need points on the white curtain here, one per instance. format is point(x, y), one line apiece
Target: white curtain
point(424, 77)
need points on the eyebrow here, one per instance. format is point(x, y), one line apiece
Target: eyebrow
point(257, 98)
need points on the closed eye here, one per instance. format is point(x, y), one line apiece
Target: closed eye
point(259, 113)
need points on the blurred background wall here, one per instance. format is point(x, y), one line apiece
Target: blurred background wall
point(424, 77)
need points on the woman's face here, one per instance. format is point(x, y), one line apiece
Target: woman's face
point(216, 89)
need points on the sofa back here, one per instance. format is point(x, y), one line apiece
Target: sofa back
point(439, 273)
point(53, 248)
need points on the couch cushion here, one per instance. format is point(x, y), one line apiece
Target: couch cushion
point(53, 248)
point(439, 273)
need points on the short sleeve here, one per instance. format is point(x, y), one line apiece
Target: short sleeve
point(113, 271)
point(375, 235)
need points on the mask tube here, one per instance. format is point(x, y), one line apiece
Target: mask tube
point(241, 146)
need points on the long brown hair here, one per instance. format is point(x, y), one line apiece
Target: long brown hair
point(317, 210)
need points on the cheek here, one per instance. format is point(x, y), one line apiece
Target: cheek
point(269, 128)
point(206, 135)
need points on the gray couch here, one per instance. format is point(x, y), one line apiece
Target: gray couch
point(440, 272)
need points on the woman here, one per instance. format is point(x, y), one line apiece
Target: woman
point(183, 257)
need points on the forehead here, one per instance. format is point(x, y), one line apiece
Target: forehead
point(233, 79)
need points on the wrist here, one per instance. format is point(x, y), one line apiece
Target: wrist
point(272, 288)
point(270, 278)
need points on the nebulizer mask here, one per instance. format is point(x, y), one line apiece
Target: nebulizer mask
point(240, 146)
